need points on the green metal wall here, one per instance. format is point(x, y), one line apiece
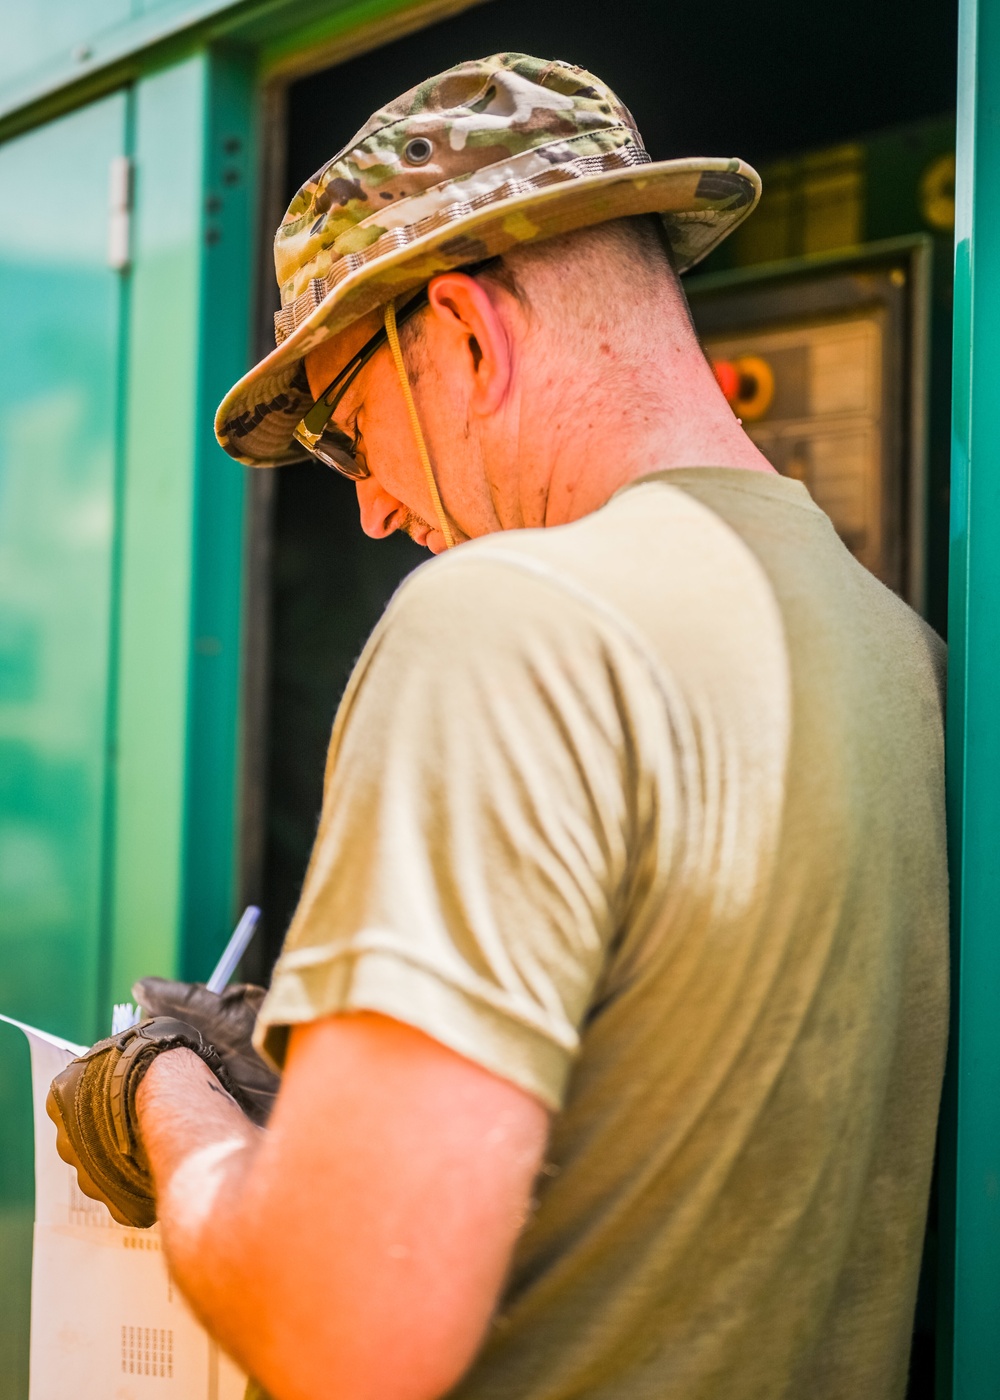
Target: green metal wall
point(60, 462)
point(969, 1327)
point(120, 574)
point(174, 869)
point(121, 538)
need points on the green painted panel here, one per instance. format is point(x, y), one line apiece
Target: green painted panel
point(175, 870)
point(161, 32)
point(969, 1337)
point(157, 525)
point(60, 306)
point(211, 828)
point(36, 36)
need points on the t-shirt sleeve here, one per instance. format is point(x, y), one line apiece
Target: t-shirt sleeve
point(479, 821)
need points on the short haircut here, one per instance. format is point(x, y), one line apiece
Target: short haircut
point(638, 243)
point(623, 269)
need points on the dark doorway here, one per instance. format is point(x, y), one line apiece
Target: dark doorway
point(762, 83)
point(758, 82)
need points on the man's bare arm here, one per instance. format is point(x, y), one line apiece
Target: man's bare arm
point(358, 1246)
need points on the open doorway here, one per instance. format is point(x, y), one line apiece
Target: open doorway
point(864, 96)
point(720, 80)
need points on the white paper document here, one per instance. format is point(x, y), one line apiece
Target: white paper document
point(107, 1323)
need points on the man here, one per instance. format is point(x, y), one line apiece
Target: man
point(612, 1016)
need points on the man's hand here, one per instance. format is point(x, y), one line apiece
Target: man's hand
point(92, 1103)
point(227, 1022)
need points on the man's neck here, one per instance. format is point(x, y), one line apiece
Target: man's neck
point(587, 464)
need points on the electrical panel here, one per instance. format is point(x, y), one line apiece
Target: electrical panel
point(824, 361)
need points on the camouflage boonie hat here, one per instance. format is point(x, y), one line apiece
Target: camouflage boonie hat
point(489, 154)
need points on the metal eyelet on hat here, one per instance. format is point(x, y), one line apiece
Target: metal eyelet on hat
point(417, 151)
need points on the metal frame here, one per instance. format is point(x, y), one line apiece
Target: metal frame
point(182, 524)
point(969, 1283)
point(284, 38)
point(827, 284)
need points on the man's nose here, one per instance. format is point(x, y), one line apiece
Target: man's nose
point(381, 513)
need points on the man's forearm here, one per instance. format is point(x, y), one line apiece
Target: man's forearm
point(201, 1148)
point(357, 1246)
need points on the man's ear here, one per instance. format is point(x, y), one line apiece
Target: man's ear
point(465, 310)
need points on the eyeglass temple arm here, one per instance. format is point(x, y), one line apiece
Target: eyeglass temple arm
point(339, 385)
point(312, 420)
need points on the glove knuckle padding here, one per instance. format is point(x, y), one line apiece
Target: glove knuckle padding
point(80, 1103)
point(92, 1103)
point(227, 1020)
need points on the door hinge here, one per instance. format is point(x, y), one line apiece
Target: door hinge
point(119, 213)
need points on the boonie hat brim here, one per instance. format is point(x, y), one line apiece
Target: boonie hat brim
point(701, 201)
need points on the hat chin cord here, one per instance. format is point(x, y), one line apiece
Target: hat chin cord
point(392, 332)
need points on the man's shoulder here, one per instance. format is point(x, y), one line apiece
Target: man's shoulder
point(501, 647)
point(508, 619)
point(510, 578)
point(582, 560)
point(646, 570)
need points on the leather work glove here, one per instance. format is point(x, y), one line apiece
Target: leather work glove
point(225, 1019)
point(92, 1103)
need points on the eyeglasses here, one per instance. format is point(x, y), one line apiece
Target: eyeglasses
point(317, 434)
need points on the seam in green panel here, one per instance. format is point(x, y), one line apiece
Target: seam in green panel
point(102, 1010)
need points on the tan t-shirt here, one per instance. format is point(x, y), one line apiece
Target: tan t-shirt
point(645, 814)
